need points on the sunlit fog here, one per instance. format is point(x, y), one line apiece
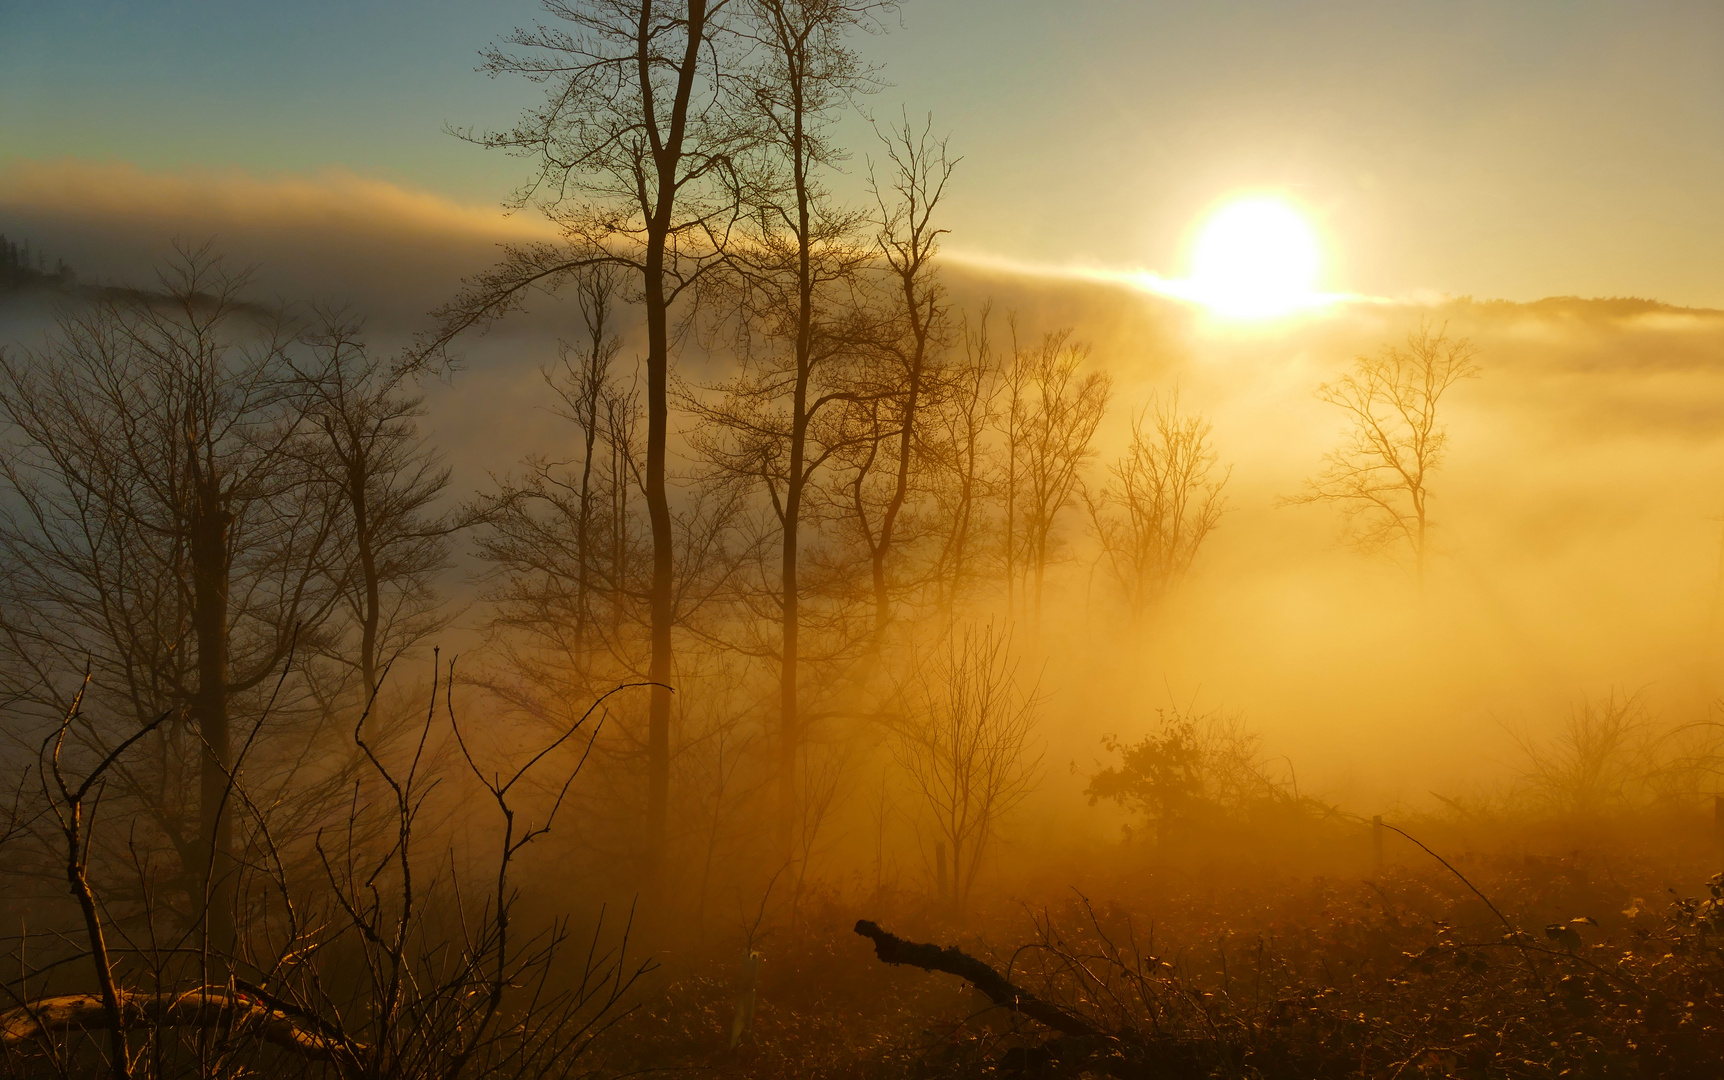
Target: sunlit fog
point(859, 539)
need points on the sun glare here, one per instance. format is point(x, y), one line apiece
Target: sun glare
point(1255, 257)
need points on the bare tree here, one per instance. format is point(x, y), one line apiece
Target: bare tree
point(908, 374)
point(961, 460)
point(1049, 421)
point(570, 579)
point(1603, 757)
point(633, 150)
point(796, 326)
point(594, 405)
point(967, 746)
point(391, 540)
point(565, 537)
point(1161, 503)
point(73, 811)
point(571, 559)
point(161, 530)
point(1380, 476)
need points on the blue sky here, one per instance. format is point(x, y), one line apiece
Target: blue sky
point(1495, 149)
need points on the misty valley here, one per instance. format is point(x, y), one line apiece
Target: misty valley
point(716, 619)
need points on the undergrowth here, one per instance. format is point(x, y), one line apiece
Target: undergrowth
point(1511, 971)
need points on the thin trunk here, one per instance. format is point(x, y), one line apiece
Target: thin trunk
point(956, 545)
point(906, 439)
point(790, 724)
point(1011, 543)
point(658, 513)
point(619, 481)
point(789, 729)
point(667, 159)
point(864, 470)
point(583, 555)
point(78, 877)
point(1014, 424)
point(1419, 545)
point(372, 616)
point(960, 539)
point(210, 572)
point(957, 894)
point(593, 383)
point(1040, 567)
point(882, 598)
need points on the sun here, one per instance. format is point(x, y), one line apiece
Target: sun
point(1256, 257)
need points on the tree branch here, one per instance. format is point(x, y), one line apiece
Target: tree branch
point(954, 961)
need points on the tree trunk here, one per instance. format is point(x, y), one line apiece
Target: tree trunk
point(789, 724)
point(667, 158)
point(210, 571)
point(906, 440)
point(76, 857)
point(372, 616)
point(658, 513)
point(583, 546)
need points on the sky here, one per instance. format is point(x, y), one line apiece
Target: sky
point(1489, 149)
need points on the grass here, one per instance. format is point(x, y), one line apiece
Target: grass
point(1592, 969)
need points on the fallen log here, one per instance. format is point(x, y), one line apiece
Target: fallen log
point(954, 961)
point(232, 1010)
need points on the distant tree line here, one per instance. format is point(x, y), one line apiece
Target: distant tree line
point(20, 267)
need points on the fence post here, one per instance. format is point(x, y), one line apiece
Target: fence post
point(1377, 831)
point(746, 995)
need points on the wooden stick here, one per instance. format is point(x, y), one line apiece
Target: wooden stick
point(209, 1007)
point(954, 961)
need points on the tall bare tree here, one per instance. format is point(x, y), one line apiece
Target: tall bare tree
point(570, 578)
point(564, 536)
point(908, 374)
point(1159, 505)
point(1380, 476)
point(571, 555)
point(1049, 421)
point(160, 531)
point(960, 456)
point(391, 539)
point(633, 151)
point(794, 276)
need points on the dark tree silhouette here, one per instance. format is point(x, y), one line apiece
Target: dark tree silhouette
point(391, 540)
point(793, 278)
point(161, 529)
point(633, 151)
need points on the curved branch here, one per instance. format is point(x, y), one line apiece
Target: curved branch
point(209, 1007)
point(954, 961)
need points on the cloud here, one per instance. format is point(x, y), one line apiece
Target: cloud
point(330, 237)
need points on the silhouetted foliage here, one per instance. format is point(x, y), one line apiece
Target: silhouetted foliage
point(21, 268)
